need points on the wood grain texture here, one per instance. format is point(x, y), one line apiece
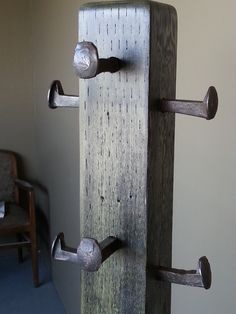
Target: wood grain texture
point(161, 153)
point(126, 163)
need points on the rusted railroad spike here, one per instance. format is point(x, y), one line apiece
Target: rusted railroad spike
point(57, 98)
point(201, 277)
point(203, 109)
point(87, 63)
point(89, 255)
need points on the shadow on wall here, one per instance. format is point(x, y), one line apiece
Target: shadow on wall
point(42, 214)
point(42, 204)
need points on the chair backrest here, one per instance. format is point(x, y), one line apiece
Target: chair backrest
point(8, 174)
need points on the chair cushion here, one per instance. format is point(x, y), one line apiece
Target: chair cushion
point(15, 217)
point(6, 177)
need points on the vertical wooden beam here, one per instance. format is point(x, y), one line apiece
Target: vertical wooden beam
point(161, 131)
point(127, 154)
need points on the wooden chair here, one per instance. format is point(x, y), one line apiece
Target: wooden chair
point(19, 219)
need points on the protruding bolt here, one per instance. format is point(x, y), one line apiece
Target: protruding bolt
point(201, 277)
point(87, 63)
point(89, 255)
point(203, 109)
point(57, 98)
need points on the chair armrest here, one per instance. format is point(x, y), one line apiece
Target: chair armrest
point(24, 185)
point(30, 202)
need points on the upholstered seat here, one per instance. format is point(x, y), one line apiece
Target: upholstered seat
point(19, 219)
point(15, 217)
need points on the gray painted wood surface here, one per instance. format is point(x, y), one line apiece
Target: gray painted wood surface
point(126, 163)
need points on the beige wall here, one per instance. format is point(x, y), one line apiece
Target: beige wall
point(205, 176)
point(54, 35)
point(37, 41)
point(16, 110)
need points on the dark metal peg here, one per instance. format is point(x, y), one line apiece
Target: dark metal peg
point(201, 277)
point(203, 109)
point(57, 98)
point(87, 63)
point(89, 255)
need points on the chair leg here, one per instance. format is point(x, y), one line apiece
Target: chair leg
point(34, 257)
point(20, 250)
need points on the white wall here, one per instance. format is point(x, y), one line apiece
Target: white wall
point(205, 172)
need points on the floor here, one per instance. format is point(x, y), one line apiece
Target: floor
point(17, 294)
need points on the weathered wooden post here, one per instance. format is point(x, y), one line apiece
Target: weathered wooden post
point(127, 154)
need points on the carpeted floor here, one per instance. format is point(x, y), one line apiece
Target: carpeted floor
point(17, 294)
